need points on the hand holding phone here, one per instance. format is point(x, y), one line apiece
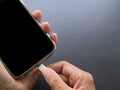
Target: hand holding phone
point(23, 43)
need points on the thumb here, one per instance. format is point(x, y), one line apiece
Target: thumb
point(53, 79)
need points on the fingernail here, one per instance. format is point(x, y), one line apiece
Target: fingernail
point(41, 67)
point(45, 71)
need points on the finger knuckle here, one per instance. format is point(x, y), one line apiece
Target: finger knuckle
point(63, 61)
point(89, 77)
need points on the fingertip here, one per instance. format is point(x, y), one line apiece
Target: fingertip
point(46, 27)
point(37, 14)
point(54, 37)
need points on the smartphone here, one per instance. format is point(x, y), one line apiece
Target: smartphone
point(23, 44)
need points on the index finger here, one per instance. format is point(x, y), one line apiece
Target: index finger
point(64, 68)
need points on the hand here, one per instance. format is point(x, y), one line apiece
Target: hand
point(65, 76)
point(26, 83)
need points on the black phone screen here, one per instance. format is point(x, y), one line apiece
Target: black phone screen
point(22, 42)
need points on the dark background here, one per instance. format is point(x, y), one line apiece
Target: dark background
point(88, 32)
